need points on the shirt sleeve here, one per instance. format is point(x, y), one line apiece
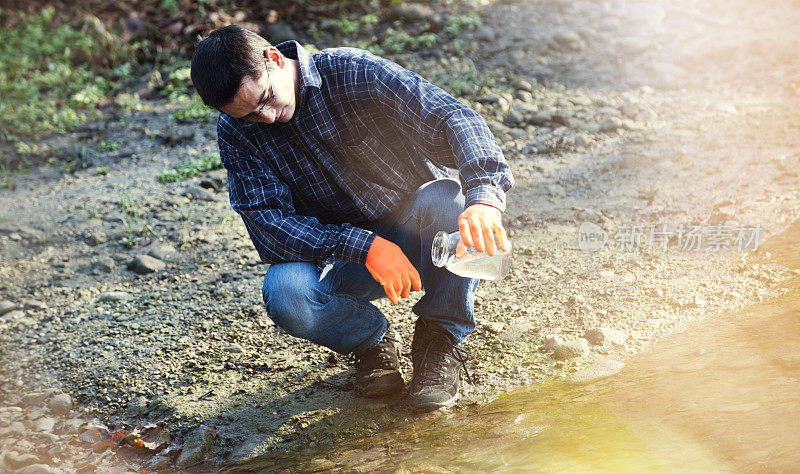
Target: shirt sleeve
point(277, 231)
point(449, 132)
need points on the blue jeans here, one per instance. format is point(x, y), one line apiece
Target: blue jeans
point(335, 310)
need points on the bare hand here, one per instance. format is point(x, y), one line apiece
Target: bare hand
point(480, 225)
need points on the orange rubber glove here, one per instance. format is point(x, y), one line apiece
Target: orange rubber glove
point(390, 267)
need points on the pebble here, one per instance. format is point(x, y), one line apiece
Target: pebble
point(16, 460)
point(144, 264)
point(196, 192)
point(604, 335)
point(515, 332)
point(104, 264)
point(551, 342)
point(36, 469)
point(115, 296)
point(137, 406)
point(523, 85)
point(161, 251)
point(596, 370)
point(569, 39)
point(571, 349)
point(7, 306)
point(14, 315)
point(610, 124)
point(61, 404)
point(96, 238)
point(34, 304)
point(413, 12)
point(45, 424)
point(234, 348)
point(32, 399)
point(195, 448)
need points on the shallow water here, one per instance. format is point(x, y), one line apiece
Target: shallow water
point(721, 396)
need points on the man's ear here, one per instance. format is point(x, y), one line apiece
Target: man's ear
point(275, 56)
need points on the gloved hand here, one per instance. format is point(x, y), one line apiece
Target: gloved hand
point(480, 225)
point(390, 267)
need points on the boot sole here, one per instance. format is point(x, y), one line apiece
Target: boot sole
point(423, 407)
point(382, 384)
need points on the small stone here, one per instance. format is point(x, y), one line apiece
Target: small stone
point(197, 445)
point(523, 85)
point(234, 349)
point(137, 406)
point(569, 39)
point(582, 141)
point(7, 307)
point(494, 327)
point(104, 264)
point(541, 118)
point(610, 124)
point(196, 192)
point(115, 296)
point(96, 238)
point(18, 461)
point(523, 96)
point(607, 274)
point(16, 428)
point(144, 264)
point(320, 464)
point(34, 304)
point(33, 399)
point(61, 404)
point(15, 315)
point(162, 251)
point(36, 469)
point(517, 133)
point(551, 342)
point(596, 370)
point(515, 332)
point(44, 424)
point(413, 12)
point(513, 118)
point(571, 349)
point(601, 336)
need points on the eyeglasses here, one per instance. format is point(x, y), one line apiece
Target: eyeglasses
point(250, 118)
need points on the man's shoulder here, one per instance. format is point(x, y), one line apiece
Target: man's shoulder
point(347, 56)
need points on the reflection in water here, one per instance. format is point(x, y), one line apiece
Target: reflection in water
point(722, 396)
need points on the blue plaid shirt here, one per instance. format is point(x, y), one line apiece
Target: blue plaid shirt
point(366, 134)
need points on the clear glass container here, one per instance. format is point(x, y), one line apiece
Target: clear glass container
point(471, 264)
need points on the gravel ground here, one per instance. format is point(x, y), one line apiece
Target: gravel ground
point(613, 113)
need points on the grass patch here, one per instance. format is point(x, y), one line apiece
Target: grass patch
point(50, 73)
point(189, 170)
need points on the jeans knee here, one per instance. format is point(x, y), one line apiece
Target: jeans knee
point(440, 200)
point(291, 297)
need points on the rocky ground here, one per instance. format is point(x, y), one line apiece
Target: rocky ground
point(126, 301)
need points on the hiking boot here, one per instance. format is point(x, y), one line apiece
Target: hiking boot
point(437, 368)
point(378, 369)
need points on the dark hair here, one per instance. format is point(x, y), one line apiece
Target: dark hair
point(222, 59)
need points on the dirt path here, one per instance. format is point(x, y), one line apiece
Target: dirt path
point(619, 114)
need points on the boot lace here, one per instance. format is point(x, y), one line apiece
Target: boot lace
point(379, 357)
point(433, 370)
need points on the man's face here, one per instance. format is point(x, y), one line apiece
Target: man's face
point(255, 101)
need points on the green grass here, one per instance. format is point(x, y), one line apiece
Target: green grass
point(398, 41)
point(50, 77)
point(191, 169)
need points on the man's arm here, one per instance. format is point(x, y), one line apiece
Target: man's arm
point(452, 134)
point(277, 231)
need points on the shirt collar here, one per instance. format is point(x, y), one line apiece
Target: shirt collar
point(309, 75)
